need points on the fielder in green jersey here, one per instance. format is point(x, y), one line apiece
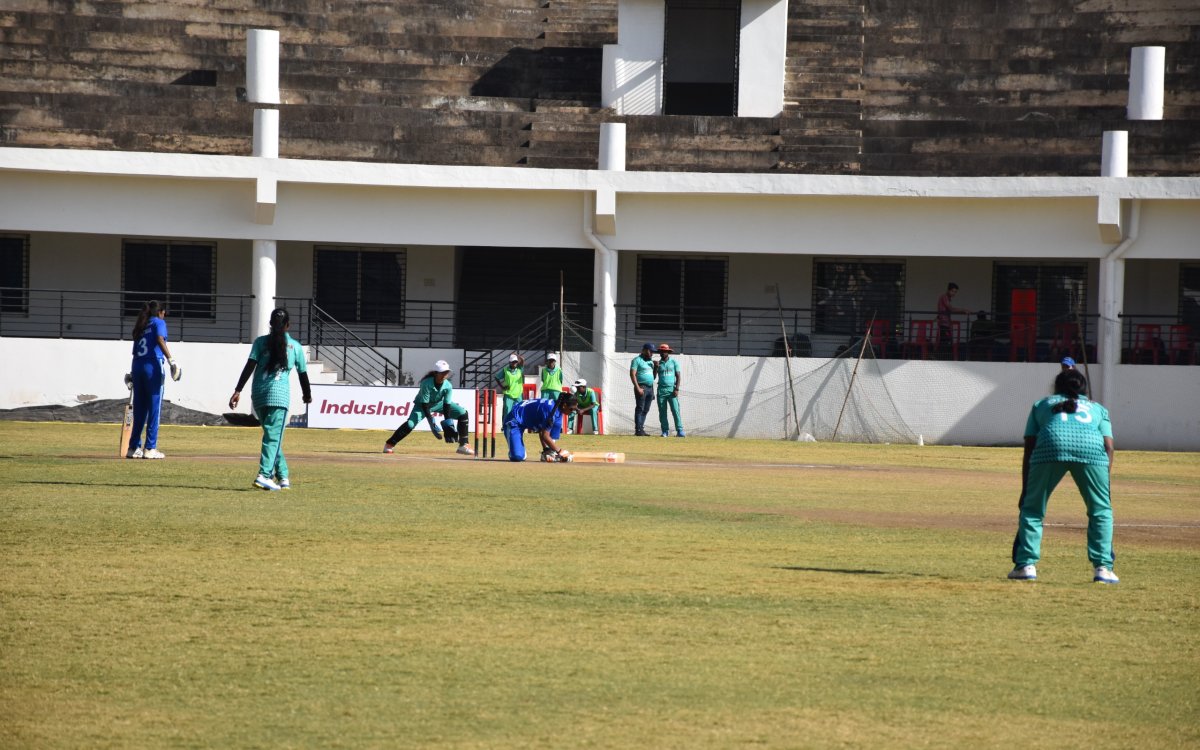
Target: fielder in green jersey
point(435, 395)
point(669, 379)
point(1064, 433)
point(552, 378)
point(274, 356)
point(512, 383)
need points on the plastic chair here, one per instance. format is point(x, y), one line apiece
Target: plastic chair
point(597, 425)
point(1179, 344)
point(881, 331)
point(1146, 340)
point(1066, 341)
point(920, 337)
point(1023, 337)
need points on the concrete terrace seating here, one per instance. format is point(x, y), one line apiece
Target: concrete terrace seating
point(933, 87)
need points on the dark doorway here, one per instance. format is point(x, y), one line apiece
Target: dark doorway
point(700, 57)
point(504, 292)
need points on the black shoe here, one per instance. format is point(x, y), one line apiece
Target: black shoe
point(641, 433)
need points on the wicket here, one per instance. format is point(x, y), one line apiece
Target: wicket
point(485, 421)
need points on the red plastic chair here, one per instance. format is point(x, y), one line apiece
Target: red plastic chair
point(920, 337)
point(1066, 341)
point(881, 331)
point(599, 425)
point(1179, 345)
point(1146, 340)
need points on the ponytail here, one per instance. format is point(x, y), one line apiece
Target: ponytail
point(277, 340)
point(148, 311)
point(1072, 384)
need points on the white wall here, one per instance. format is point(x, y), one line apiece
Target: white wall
point(973, 403)
point(761, 58)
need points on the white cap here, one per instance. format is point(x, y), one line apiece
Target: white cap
point(551, 356)
point(441, 366)
point(513, 358)
point(581, 383)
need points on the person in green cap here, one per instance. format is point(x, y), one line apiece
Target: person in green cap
point(552, 378)
point(669, 380)
point(511, 380)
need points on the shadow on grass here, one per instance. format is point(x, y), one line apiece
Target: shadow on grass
point(855, 571)
point(131, 485)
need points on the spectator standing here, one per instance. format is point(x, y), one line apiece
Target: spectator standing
point(1066, 432)
point(669, 379)
point(946, 308)
point(511, 380)
point(552, 378)
point(149, 374)
point(642, 371)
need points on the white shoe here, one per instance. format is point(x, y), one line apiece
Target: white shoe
point(1104, 575)
point(133, 453)
point(265, 483)
point(153, 453)
point(1023, 573)
point(285, 483)
point(388, 447)
point(465, 450)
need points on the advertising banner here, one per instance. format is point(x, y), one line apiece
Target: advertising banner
point(369, 407)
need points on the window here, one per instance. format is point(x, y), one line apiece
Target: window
point(682, 294)
point(180, 274)
point(1060, 290)
point(700, 57)
point(14, 274)
point(357, 285)
point(1189, 297)
point(849, 294)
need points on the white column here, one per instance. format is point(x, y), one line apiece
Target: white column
point(262, 284)
point(612, 146)
point(1147, 74)
point(266, 133)
point(1114, 154)
point(262, 66)
point(1112, 289)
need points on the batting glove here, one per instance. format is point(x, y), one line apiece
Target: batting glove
point(176, 370)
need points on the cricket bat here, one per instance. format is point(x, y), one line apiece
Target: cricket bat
point(126, 427)
point(596, 457)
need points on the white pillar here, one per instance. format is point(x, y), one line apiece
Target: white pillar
point(262, 66)
point(266, 133)
point(1147, 73)
point(1114, 154)
point(604, 316)
point(612, 146)
point(1112, 289)
point(262, 283)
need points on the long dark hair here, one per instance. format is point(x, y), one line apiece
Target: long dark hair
point(277, 339)
point(149, 310)
point(1072, 384)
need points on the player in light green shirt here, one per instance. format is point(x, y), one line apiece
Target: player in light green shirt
point(435, 396)
point(1066, 432)
point(552, 378)
point(669, 380)
point(272, 358)
point(641, 372)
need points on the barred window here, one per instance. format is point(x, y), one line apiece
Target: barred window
point(682, 293)
point(360, 285)
point(1061, 290)
point(1189, 297)
point(849, 294)
point(180, 274)
point(14, 274)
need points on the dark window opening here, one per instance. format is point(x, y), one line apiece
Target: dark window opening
point(848, 295)
point(357, 285)
point(700, 57)
point(1060, 289)
point(14, 274)
point(682, 294)
point(196, 78)
point(179, 274)
point(1189, 298)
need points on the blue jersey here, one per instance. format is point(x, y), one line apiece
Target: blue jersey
point(146, 347)
point(538, 414)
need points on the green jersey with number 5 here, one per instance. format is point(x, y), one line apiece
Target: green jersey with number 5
point(1068, 438)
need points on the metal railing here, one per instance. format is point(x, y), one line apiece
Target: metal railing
point(336, 346)
point(85, 314)
point(1159, 340)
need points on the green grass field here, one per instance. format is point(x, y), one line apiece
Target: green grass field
point(707, 594)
